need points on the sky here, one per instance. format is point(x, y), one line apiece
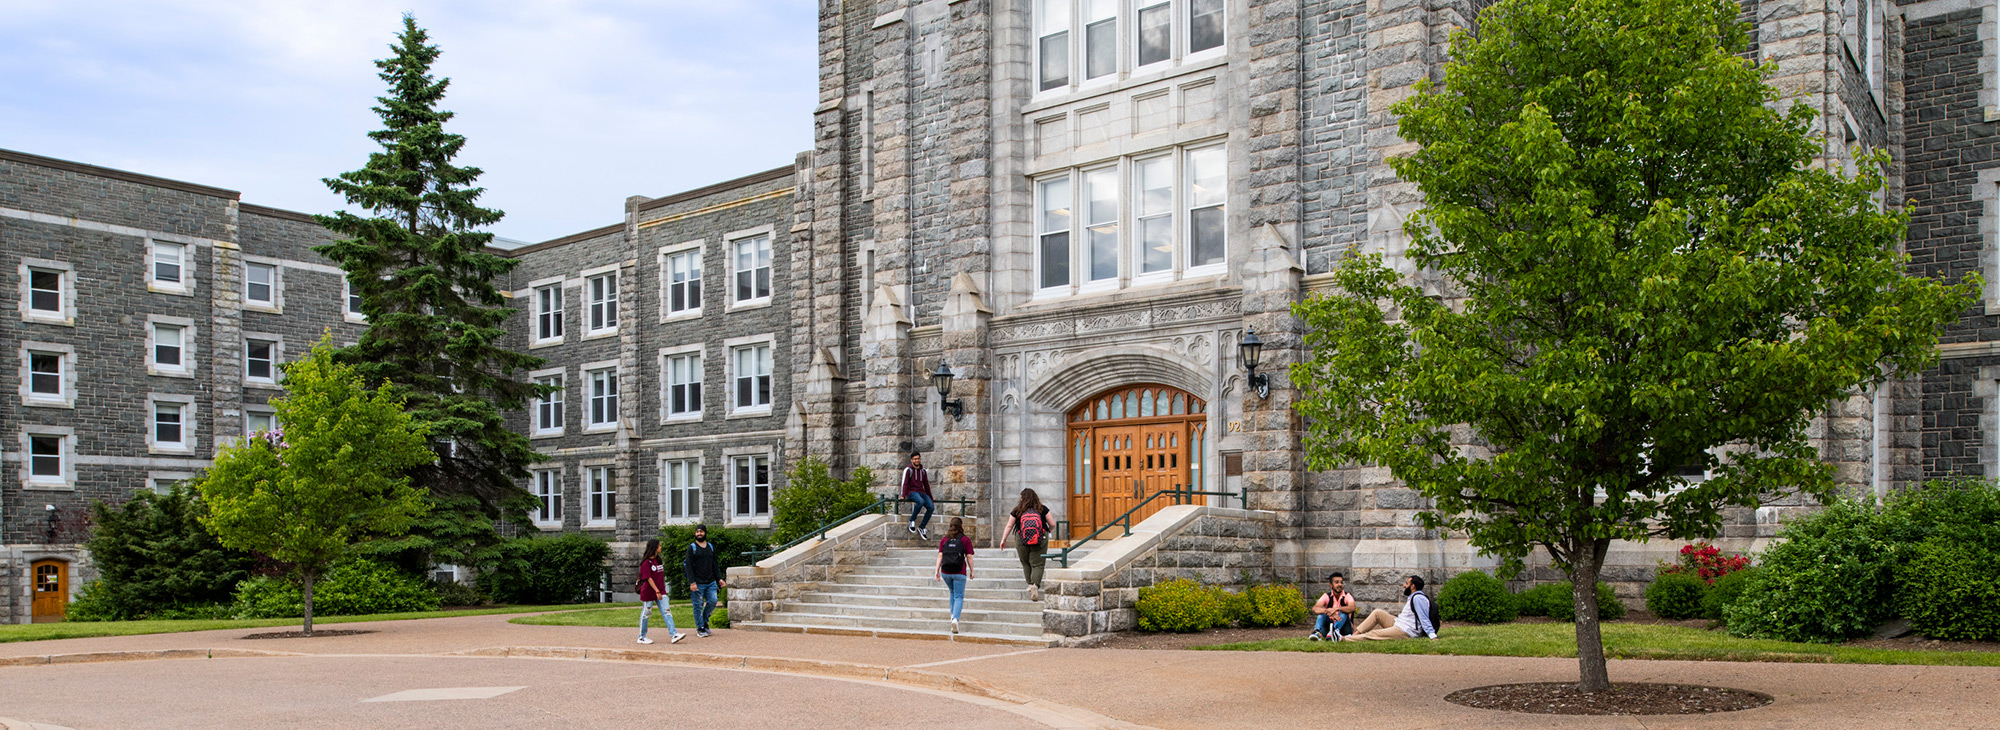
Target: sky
point(568, 106)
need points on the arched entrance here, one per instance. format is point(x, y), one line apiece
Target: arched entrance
point(1129, 443)
point(51, 590)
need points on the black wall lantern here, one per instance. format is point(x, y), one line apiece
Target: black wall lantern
point(55, 521)
point(1251, 348)
point(941, 379)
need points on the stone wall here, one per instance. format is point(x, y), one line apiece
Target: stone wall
point(1098, 594)
point(757, 589)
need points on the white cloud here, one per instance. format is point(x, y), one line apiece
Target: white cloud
point(569, 106)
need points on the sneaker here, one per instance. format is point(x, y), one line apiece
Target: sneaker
point(677, 638)
point(924, 533)
point(954, 626)
point(913, 528)
point(1314, 636)
point(1034, 593)
point(644, 640)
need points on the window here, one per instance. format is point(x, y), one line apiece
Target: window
point(169, 345)
point(1100, 200)
point(549, 408)
point(168, 262)
point(1175, 205)
point(48, 374)
point(753, 269)
point(1052, 43)
point(753, 376)
point(1153, 180)
point(603, 292)
point(683, 272)
point(1204, 25)
point(260, 285)
point(548, 490)
point(165, 485)
point(256, 422)
point(1156, 33)
point(1100, 38)
point(45, 292)
point(45, 458)
point(750, 487)
point(45, 376)
point(1052, 222)
point(683, 379)
point(680, 490)
point(548, 312)
point(603, 496)
point(603, 398)
point(353, 301)
point(1207, 190)
point(259, 361)
point(167, 426)
point(1149, 28)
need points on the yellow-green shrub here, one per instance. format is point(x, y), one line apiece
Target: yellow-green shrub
point(1274, 605)
point(1182, 606)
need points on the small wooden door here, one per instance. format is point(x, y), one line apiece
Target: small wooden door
point(51, 590)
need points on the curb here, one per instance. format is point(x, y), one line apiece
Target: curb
point(92, 657)
point(891, 634)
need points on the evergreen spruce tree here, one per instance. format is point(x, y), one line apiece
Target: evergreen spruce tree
point(435, 320)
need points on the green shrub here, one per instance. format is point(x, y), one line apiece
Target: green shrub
point(352, 588)
point(1559, 602)
point(154, 557)
point(547, 570)
point(1950, 591)
point(1475, 597)
point(1182, 606)
point(1278, 604)
point(459, 593)
point(1725, 591)
point(1828, 578)
point(1536, 601)
point(1676, 596)
point(812, 497)
point(730, 545)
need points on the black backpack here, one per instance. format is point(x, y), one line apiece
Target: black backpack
point(1436, 625)
point(954, 555)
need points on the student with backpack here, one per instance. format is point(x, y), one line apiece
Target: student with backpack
point(1335, 611)
point(1029, 524)
point(954, 566)
point(703, 572)
point(1418, 619)
point(653, 593)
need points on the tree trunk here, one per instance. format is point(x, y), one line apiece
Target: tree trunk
point(1583, 571)
point(307, 594)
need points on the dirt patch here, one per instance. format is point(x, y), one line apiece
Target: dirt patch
point(1914, 642)
point(1559, 698)
point(1144, 640)
point(317, 633)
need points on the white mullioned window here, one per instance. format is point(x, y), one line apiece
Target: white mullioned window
point(260, 360)
point(260, 285)
point(1155, 38)
point(48, 374)
point(603, 397)
point(256, 422)
point(752, 268)
point(683, 383)
point(1052, 18)
point(549, 408)
point(683, 279)
point(48, 457)
point(680, 490)
point(549, 312)
point(45, 375)
point(1100, 38)
point(749, 487)
point(1156, 32)
point(169, 264)
point(170, 345)
point(1053, 204)
point(1175, 206)
point(1100, 224)
point(549, 493)
point(168, 427)
point(1205, 29)
point(603, 495)
point(48, 292)
point(752, 376)
point(1208, 192)
point(603, 309)
point(353, 298)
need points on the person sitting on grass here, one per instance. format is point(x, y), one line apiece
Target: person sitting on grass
point(1335, 611)
point(1414, 621)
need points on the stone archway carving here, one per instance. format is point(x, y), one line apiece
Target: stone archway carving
point(1081, 375)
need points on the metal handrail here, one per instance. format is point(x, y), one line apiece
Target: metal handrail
point(1125, 520)
point(873, 508)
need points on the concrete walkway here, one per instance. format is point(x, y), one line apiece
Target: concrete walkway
point(772, 679)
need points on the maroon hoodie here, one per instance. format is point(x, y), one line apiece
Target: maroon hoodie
point(652, 579)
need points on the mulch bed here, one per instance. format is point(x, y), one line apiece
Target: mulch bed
point(1560, 698)
point(296, 634)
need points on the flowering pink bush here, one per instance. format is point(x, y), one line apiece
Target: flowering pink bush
point(1706, 561)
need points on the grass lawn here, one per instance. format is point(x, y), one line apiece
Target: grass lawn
point(624, 618)
point(1625, 641)
point(82, 629)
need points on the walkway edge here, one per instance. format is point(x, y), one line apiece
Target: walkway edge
point(139, 655)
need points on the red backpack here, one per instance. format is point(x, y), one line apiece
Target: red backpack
point(1033, 529)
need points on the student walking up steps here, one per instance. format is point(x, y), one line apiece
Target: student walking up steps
point(954, 566)
point(1029, 524)
point(653, 593)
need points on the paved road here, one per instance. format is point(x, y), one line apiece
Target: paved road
point(1053, 687)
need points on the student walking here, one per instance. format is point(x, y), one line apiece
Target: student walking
point(653, 593)
point(954, 566)
point(1029, 524)
point(917, 489)
point(703, 573)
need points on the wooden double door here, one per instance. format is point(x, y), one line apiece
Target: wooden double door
point(1129, 444)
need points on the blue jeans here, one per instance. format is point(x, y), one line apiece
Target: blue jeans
point(666, 616)
point(703, 597)
point(956, 582)
point(1320, 624)
point(920, 502)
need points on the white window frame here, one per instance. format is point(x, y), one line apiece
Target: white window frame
point(600, 494)
point(277, 358)
point(1125, 171)
point(695, 251)
point(667, 383)
point(1042, 201)
point(183, 287)
point(590, 371)
point(350, 302)
point(731, 347)
point(591, 304)
point(188, 350)
point(65, 355)
point(768, 234)
point(185, 404)
point(556, 402)
point(1083, 244)
point(1074, 18)
point(687, 465)
point(1187, 208)
point(539, 335)
point(1139, 216)
point(276, 303)
point(547, 486)
point(257, 412)
point(65, 454)
point(162, 482)
point(65, 314)
point(731, 460)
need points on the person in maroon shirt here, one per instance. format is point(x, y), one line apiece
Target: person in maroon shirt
point(653, 593)
point(917, 489)
point(954, 566)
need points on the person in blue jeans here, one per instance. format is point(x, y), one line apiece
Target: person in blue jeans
point(1334, 612)
point(954, 566)
point(917, 489)
point(653, 593)
point(703, 572)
